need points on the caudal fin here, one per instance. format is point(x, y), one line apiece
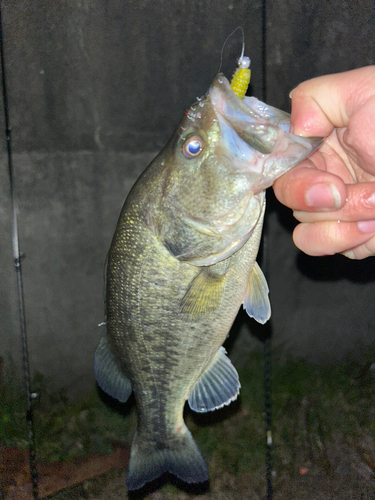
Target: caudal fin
point(149, 461)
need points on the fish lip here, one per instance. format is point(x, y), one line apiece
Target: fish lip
point(255, 137)
point(235, 117)
point(250, 111)
point(226, 103)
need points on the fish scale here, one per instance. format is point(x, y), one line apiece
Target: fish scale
point(181, 263)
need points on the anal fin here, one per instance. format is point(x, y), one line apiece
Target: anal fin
point(218, 386)
point(257, 303)
point(108, 375)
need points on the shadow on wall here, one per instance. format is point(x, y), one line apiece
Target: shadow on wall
point(336, 267)
point(325, 268)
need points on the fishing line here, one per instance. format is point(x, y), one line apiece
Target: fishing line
point(18, 269)
point(264, 51)
point(225, 42)
point(267, 369)
point(267, 351)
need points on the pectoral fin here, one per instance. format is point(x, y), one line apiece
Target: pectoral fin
point(204, 293)
point(257, 303)
point(108, 375)
point(218, 386)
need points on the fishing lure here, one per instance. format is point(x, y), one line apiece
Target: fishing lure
point(241, 77)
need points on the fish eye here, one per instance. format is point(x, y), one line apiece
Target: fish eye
point(192, 147)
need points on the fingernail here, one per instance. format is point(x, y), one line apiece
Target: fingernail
point(349, 254)
point(366, 226)
point(323, 195)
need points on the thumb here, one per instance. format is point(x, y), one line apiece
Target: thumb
point(329, 101)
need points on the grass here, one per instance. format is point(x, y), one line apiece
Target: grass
point(309, 404)
point(63, 429)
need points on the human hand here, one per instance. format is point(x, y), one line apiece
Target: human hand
point(333, 192)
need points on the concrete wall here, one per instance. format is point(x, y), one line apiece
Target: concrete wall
point(96, 87)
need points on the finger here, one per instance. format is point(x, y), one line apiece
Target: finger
point(362, 251)
point(359, 206)
point(330, 237)
point(359, 138)
point(305, 188)
point(320, 104)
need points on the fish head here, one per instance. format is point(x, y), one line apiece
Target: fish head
point(224, 154)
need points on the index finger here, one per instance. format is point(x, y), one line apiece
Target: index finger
point(320, 104)
point(307, 188)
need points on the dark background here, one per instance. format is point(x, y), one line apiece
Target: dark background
point(96, 87)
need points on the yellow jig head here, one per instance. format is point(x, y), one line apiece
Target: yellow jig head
point(241, 78)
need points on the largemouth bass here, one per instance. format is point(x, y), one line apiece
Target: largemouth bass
point(181, 263)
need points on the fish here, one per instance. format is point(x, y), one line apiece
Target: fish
point(181, 263)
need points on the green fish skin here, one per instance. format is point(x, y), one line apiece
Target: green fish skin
point(181, 263)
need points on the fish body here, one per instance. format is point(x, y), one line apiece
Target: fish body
point(181, 263)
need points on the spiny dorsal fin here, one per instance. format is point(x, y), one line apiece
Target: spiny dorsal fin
point(257, 303)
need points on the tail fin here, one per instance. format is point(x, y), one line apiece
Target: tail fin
point(148, 461)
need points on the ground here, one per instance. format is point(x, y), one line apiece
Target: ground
point(323, 440)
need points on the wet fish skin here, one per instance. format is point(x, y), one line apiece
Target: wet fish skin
point(181, 262)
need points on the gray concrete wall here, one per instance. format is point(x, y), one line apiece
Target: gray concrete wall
point(68, 209)
point(96, 87)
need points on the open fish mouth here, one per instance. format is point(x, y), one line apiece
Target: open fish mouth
point(256, 135)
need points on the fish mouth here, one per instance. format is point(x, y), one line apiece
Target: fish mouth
point(255, 135)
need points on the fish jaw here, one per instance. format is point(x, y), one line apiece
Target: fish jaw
point(256, 136)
